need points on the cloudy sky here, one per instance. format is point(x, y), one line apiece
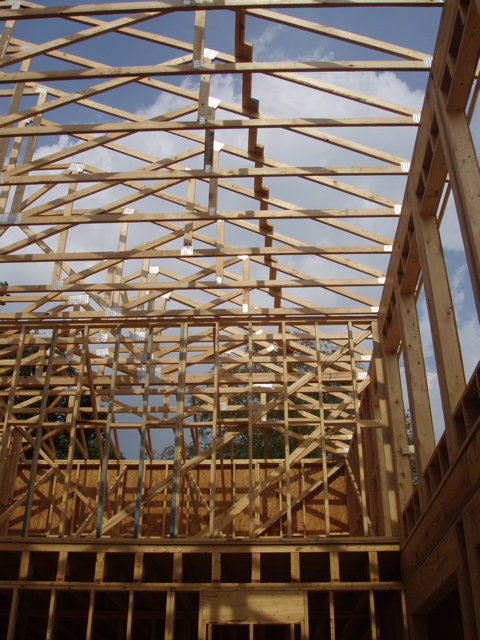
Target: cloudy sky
point(277, 97)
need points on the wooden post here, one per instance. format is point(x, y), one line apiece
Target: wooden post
point(51, 615)
point(216, 568)
point(17, 92)
point(403, 470)
point(143, 433)
point(321, 410)
point(179, 445)
point(288, 487)
point(250, 431)
point(462, 164)
point(385, 449)
point(108, 429)
point(131, 599)
point(331, 614)
point(13, 615)
point(359, 435)
point(170, 616)
point(469, 606)
point(215, 415)
point(6, 448)
point(446, 345)
point(38, 437)
point(417, 387)
point(73, 428)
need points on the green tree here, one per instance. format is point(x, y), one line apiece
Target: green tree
point(266, 442)
point(413, 458)
point(62, 439)
point(3, 284)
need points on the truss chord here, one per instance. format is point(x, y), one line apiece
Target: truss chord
point(209, 300)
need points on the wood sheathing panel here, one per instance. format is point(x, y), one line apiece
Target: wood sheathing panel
point(232, 482)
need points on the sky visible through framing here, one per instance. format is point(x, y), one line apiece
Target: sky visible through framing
point(271, 42)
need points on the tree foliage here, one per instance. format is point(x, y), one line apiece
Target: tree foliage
point(269, 441)
point(61, 440)
point(413, 459)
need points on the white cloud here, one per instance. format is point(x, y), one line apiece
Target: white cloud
point(277, 98)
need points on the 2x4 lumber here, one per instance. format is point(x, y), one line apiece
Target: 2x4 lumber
point(92, 142)
point(12, 109)
point(84, 216)
point(162, 5)
point(286, 433)
point(27, 157)
point(195, 379)
point(183, 174)
point(71, 445)
point(4, 517)
point(129, 625)
point(213, 204)
point(198, 51)
point(464, 176)
point(298, 125)
point(337, 34)
point(8, 430)
point(12, 620)
point(321, 409)
point(173, 286)
point(93, 512)
point(373, 621)
point(37, 442)
point(225, 68)
point(468, 605)
point(80, 36)
point(322, 483)
point(6, 36)
point(108, 430)
point(417, 386)
point(227, 250)
point(358, 435)
point(215, 415)
point(176, 477)
point(232, 337)
point(471, 536)
point(335, 184)
point(143, 433)
point(462, 55)
point(303, 449)
point(52, 609)
point(338, 224)
point(384, 441)
point(446, 344)
point(143, 190)
point(250, 439)
point(395, 406)
point(347, 94)
point(245, 109)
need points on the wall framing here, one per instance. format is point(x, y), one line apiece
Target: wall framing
point(194, 306)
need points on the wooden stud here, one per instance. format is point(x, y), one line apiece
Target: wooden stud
point(102, 483)
point(417, 387)
point(38, 436)
point(170, 616)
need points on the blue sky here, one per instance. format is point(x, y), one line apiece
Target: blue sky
point(410, 28)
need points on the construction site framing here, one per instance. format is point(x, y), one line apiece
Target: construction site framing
point(218, 418)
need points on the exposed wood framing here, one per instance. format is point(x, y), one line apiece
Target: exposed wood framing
point(211, 292)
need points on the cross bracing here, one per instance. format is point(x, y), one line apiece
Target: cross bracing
point(216, 257)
